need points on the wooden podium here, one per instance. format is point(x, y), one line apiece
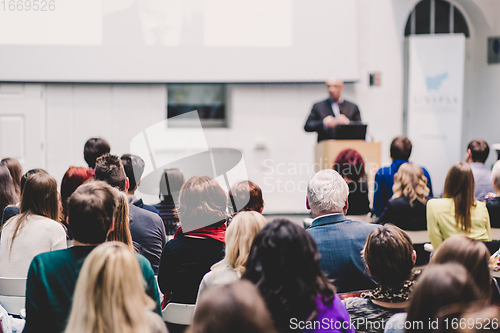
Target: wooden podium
point(326, 152)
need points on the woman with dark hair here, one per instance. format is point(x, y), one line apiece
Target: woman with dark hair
point(8, 194)
point(406, 209)
point(197, 244)
point(350, 165)
point(13, 210)
point(474, 256)
point(35, 230)
point(230, 308)
point(16, 171)
point(389, 258)
point(284, 265)
point(458, 212)
point(170, 185)
point(439, 288)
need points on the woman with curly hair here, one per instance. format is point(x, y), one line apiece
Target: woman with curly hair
point(406, 209)
point(284, 265)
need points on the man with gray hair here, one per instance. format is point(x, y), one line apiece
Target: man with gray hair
point(339, 239)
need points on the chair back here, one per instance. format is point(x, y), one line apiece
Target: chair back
point(495, 233)
point(180, 314)
point(12, 294)
point(418, 237)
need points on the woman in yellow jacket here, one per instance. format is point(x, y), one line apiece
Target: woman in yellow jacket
point(458, 212)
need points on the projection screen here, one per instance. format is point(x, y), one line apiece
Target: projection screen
point(177, 40)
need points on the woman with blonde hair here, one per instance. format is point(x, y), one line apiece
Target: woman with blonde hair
point(239, 238)
point(458, 212)
point(406, 209)
point(121, 231)
point(109, 295)
point(35, 230)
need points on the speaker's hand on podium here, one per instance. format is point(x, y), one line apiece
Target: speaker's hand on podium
point(331, 121)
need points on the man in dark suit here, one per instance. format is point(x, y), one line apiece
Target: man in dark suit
point(327, 114)
point(146, 228)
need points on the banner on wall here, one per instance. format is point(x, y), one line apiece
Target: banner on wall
point(435, 103)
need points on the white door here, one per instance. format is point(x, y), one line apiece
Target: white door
point(22, 124)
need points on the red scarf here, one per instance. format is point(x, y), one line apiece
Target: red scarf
point(213, 232)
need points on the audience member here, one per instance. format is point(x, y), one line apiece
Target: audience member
point(457, 212)
point(35, 230)
point(384, 178)
point(390, 258)
point(121, 229)
point(109, 295)
point(284, 265)
point(52, 276)
point(230, 308)
point(73, 177)
point(8, 194)
point(406, 209)
point(94, 148)
point(245, 196)
point(146, 228)
point(239, 238)
point(13, 210)
point(438, 288)
point(16, 171)
point(474, 256)
point(493, 200)
point(339, 239)
point(134, 168)
point(170, 186)
point(477, 153)
point(189, 256)
point(350, 165)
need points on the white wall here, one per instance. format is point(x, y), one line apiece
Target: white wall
point(266, 120)
point(264, 116)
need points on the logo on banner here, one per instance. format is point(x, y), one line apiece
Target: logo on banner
point(433, 97)
point(435, 82)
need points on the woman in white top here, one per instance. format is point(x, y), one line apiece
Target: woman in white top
point(239, 238)
point(35, 230)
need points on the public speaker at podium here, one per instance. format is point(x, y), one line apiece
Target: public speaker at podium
point(327, 115)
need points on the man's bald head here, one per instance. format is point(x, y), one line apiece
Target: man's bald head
point(335, 87)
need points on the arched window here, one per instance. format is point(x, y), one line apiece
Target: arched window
point(436, 17)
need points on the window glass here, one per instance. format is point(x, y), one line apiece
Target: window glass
point(442, 17)
point(209, 99)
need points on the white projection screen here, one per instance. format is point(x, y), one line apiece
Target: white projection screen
point(177, 40)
